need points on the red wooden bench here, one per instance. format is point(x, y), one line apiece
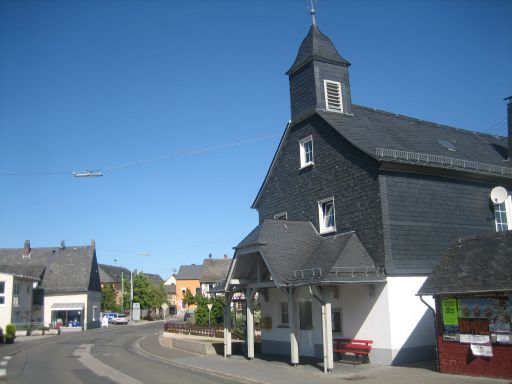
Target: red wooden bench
point(354, 346)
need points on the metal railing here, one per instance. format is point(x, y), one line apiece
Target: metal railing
point(196, 330)
point(307, 273)
point(424, 158)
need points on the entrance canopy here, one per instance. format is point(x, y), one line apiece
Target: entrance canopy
point(282, 253)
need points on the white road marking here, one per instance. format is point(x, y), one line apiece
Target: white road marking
point(3, 372)
point(7, 357)
point(84, 356)
point(3, 363)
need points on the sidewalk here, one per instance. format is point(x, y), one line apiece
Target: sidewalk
point(274, 369)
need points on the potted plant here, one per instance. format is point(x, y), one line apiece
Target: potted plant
point(10, 333)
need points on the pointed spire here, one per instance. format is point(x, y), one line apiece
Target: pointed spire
point(312, 12)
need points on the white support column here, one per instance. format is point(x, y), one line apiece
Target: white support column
point(227, 326)
point(249, 297)
point(294, 328)
point(329, 362)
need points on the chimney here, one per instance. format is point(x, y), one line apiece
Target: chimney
point(210, 256)
point(26, 249)
point(93, 245)
point(225, 256)
point(509, 117)
point(62, 244)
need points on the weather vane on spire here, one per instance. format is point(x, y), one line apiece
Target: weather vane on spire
point(313, 13)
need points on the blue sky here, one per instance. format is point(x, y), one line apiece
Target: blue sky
point(102, 84)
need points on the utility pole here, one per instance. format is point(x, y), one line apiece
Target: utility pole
point(122, 291)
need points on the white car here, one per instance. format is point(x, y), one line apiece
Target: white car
point(120, 318)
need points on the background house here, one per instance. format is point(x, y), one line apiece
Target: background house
point(170, 288)
point(69, 293)
point(113, 275)
point(213, 272)
point(357, 207)
point(472, 287)
point(188, 277)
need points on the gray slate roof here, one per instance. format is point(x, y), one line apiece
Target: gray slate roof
point(189, 272)
point(316, 46)
point(296, 254)
point(66, 269)
point(112, 273)
point(369, 129)
point(477, 264)
point(156, 279)
point(25, 271)
point(214, 270)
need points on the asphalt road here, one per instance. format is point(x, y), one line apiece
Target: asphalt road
point(100, 356)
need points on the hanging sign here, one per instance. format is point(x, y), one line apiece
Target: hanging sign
point(474, 339)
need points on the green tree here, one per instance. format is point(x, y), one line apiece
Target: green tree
point(188, 298)
point(159, 295)
point(142, 291)
point(216, 314)
point(201, 310)
point(108, 298)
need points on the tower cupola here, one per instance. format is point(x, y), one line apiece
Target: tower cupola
point(319, 76)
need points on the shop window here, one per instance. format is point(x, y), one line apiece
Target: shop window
point(478, 320)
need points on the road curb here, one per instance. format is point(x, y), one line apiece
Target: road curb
point(143, 352)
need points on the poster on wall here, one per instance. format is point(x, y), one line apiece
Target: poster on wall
point(481, 350)
point(450, 315)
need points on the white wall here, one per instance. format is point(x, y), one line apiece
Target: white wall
point(5, 309)
point(406, 312)
point(389, 314)
point(49, 300)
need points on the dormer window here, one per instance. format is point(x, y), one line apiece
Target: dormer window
point(333, 100)
point(326, 215)
point(281, 216)
point(306, 152)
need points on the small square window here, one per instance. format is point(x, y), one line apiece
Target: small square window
point(306, 152)
point(326, 215)
point(281, 216)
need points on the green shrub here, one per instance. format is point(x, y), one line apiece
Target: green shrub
point(10, 333)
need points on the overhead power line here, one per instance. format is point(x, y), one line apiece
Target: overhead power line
point(99, 171)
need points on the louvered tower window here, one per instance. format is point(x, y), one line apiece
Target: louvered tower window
point(333, 100)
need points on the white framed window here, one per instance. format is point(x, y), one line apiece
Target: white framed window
point(503, 215)
point(306, 152)
point(284, 318)
point(333, 98)
point(2, 292)
point(281, 216)
point(326, 214)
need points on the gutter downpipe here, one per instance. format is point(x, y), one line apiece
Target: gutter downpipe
point(435, 331)
point(326, 329)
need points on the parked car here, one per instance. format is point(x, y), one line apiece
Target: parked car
point(120, 318)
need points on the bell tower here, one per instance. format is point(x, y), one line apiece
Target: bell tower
point(319, 77)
